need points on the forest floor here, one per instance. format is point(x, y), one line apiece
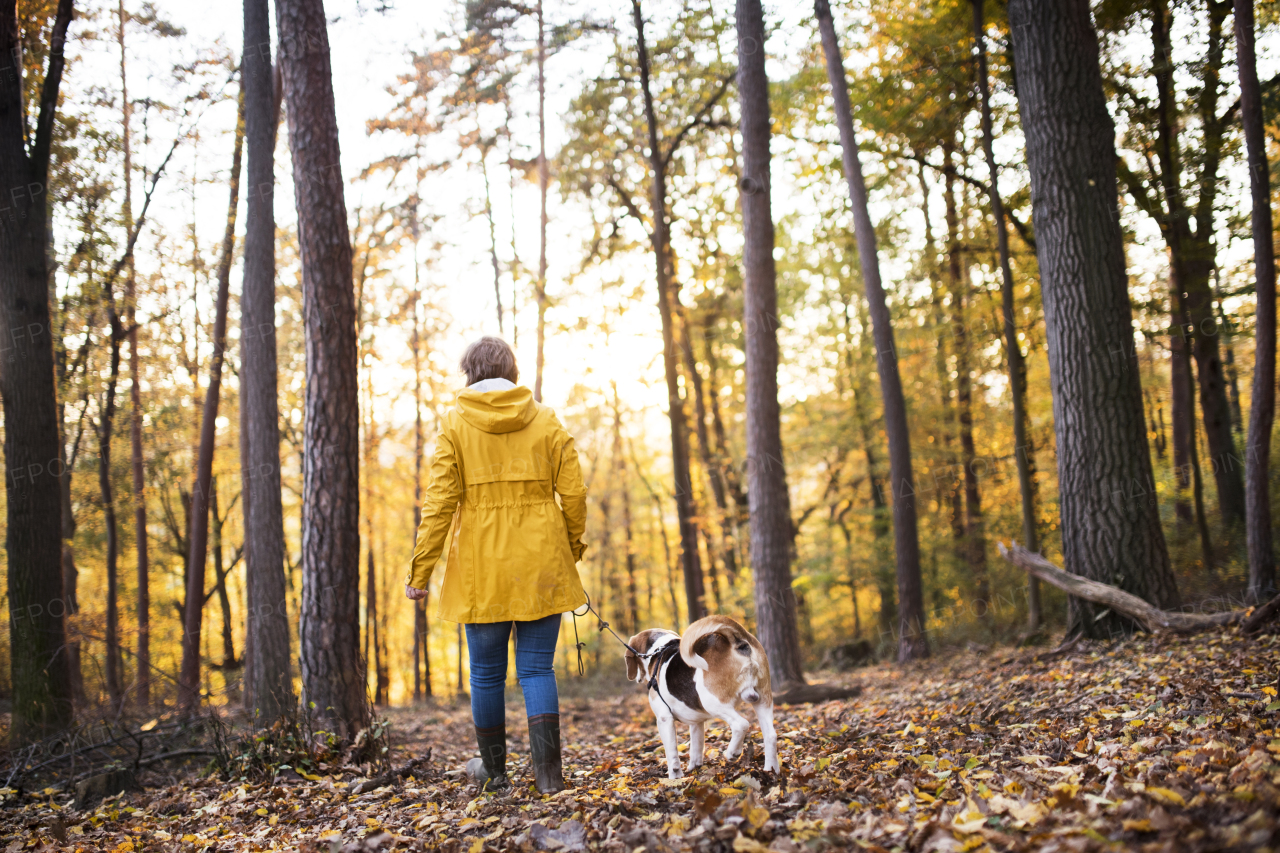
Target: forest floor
point(1149, 743)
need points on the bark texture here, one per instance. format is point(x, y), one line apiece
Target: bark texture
point(1110, 522)
point(33, 512)
point(1262, 571)
point(268, 679)
point(329, 632)
point(912, 642)
point(770, 504)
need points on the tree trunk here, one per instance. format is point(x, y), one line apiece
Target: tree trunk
point(974, 540)
point(1262, 572)
point(143, 685)
point(772, 535)
point(1110, 522)
point(540, 290)
point(686, 509)
point(106, 491)
point(1024, 451)
point(1193, 462)
point(371, 568)
point(1192, 251)
point(713, 472)
point(880, 526)
point(632, 621)
point(493, 233)
point(912, 642)
point(28, 388)
point(737, 499)
point(329, 633)
point(268, 678)
point(220, 572)
point(421, 680)
point(1181, 415)
point(202, 491)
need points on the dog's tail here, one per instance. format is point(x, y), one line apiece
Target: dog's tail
point(694, 638)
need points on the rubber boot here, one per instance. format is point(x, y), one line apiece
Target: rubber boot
point(544, 753)
point(489, 770)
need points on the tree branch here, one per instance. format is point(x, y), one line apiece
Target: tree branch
point(1024, 232)
point(43, 141)
point(697, 119)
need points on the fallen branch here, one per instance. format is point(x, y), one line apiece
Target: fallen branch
point(1152, 618)
point(802, 694)
point(408, 769)
point(1261, 616)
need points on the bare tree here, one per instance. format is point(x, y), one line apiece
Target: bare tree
point(912, 642)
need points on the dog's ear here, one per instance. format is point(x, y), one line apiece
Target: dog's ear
point(640, 643)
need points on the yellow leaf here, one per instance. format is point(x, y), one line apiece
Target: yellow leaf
point(755, 814)
point(1166, 796)
point(493, 835)
point(743, 844)
point(1270, 691)
point(969, 821)
point(1143, 825)
point(262, 812)
point(1031, 812)
point(470, 821)
point(273, 820)
point(148, 726)
point(371, 821)
point(477, 845)
point(310, 777)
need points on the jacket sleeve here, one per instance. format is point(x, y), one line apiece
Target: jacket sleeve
point(572, 491)
point(438, 508)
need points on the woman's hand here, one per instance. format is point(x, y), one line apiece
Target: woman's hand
point(414, 594)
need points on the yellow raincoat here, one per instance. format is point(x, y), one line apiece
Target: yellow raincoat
point(500, 461)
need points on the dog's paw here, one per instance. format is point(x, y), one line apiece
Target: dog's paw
point(675, 774)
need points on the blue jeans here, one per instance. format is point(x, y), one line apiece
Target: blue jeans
point(535, 667)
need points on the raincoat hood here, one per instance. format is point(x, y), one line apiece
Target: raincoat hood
point(498, 412)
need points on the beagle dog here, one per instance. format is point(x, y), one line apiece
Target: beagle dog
point(704, 674)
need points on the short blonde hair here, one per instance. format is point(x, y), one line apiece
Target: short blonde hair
point(489, 358)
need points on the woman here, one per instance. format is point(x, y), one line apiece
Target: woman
point(500, 461)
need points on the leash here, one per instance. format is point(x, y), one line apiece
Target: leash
point(663, 653)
